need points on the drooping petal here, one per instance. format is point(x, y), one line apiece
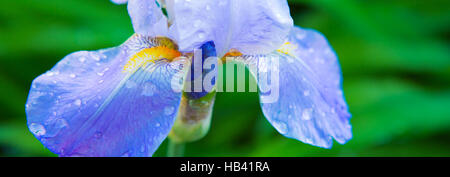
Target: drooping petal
point(251, 26)
point(300, 90)
point(147, 18)
point(119, 1)
point(313, 48)
point(87, 105)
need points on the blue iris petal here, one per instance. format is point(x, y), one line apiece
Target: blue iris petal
point(251, 26)
point(310, 105)
point(88, 106)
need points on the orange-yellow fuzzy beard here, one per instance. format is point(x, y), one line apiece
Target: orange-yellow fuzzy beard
point(143, 57)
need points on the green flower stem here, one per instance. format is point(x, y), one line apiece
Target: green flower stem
point(175, 149)
point(193, 119)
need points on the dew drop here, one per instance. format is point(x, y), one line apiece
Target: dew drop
point(77, 102)
point(72, 75)
point(306, 93)
point(306, 115)
point(82, 59)
point(61, 123)
point(169, 110)
point(157, 125)
point(37, 129)
point(201, 35)
point(149, 89)
point(96, 57)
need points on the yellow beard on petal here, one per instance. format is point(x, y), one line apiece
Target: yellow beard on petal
point(287, 48)
point(143, 57)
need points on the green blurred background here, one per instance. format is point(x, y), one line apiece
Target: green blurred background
point(395, 57)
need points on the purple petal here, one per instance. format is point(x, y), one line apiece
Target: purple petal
point(88, 106)
point(309, 105)
point(251, 26)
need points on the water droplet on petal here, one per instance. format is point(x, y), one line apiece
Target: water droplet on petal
point(306, 115)
point(73, 75)
point(201, 35)
point(61, 123)
point(37, 129)
point(169, 110)
point(77, 102)
point(306, 92)
point(82, 59)
point(148, 89)
point(96, 57)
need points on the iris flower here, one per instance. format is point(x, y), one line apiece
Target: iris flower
point(121, 101)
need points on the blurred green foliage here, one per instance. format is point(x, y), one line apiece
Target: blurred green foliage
point(395, 56)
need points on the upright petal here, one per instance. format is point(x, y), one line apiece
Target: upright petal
point(88, 106)
point(147, 18)
point(308, 104)
point(251, 26)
